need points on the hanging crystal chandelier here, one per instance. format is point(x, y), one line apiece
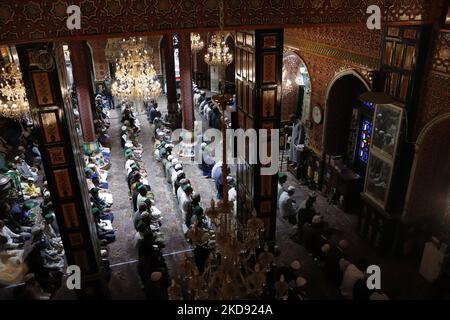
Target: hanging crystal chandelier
point(234, 269)
point(13, 100)
point(197, 43)
point(136, 76)
point(218, 53)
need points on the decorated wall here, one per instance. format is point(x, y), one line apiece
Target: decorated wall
point(327, 52)
point(101, 67)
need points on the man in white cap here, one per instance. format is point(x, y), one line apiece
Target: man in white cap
point(286, 204)
point(196, 97)
point(166, 162)
point(171, 169)
point(30, 190)
point(178, 167)
point(282, 178)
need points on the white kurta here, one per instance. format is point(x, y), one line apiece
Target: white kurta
point(180, 193)
point(286, 205)
point(184, 204)
point(295, 141)
point(217, 166)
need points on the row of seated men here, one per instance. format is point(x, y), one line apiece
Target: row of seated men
point(31, 251)
point(148, 239)
point(314, 233)
point(97, 163)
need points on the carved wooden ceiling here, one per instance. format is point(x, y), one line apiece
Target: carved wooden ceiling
point(24, 21)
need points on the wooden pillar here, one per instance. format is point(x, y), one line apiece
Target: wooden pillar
point(187, 108)
point(51, 108)
point(171, 83)
point(82, 76)
point(258, 57)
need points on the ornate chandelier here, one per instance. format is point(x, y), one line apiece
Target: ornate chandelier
point(197, 43)
point(136, 76)
point(218, 52)
point(13, 102)
point(233, 270)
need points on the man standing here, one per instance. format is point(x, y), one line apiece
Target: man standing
point(296, 140)
point(153, 112)
point(185, 200)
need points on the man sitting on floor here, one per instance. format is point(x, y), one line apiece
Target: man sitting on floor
point(286, 204)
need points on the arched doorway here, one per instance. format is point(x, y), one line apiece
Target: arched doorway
point(428, 197)
point(348, 122)
point(296, 87)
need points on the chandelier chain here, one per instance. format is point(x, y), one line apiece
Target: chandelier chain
point(221, 15)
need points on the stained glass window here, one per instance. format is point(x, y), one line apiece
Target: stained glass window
point(365, 139)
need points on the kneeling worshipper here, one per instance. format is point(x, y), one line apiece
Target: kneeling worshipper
point(22, 214)
point(103, 174)
point(12, 268)
point(286, 204)
point(307, 211)
point(352, 274)
point(102, 215)
point(156, 287)
point(160, 151)
point(97, 200)
point(13, 240)
point(31, 290)
point(105, 231)
point(282, 178)
point(332, 255)
point(30, 190)
point(25, 171)
point(313, 237)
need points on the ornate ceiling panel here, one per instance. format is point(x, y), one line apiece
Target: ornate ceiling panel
point(22, 21)
point(355, 45)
